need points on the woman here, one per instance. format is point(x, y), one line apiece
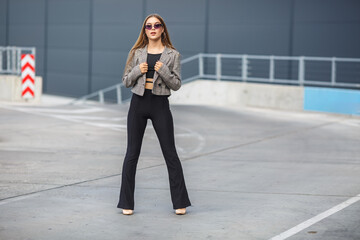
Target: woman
point(152, 69)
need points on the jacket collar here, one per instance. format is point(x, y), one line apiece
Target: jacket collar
point(163, 58)
point(166, 49)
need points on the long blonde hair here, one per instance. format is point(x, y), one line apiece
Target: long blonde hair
point(143, 40)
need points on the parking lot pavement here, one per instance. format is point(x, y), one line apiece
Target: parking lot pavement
point(251, 174)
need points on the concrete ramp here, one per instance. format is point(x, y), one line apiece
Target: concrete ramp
point(281, 97)
point(251, 173)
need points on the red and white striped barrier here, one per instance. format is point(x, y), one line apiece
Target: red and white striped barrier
point(28, 75)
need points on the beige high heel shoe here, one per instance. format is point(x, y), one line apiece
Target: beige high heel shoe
point(180, 211)
point(127, 211)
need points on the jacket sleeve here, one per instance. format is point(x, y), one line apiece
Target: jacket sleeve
point(131, 72)
point(172, 78)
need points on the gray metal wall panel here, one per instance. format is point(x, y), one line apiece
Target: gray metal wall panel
point(68, 46)
point(257, 39)
point(327, 11)
point(320, 28)
point(187, 39)
point(185, 12)
point(69, 12)
point(239, 12)
point(107, 68)
point(26, 35)
point(27, 27)
point(68, 61)
point(39, 61)
point(27, 12)
point(108, 63)
point(327, 39)
point(185, 21)
point(2, 35)
point(77, 87)
point(249, 27)
point(3, 7)
point(327, 28)
point(69, 36)
point(117, 12)
point(116, 26)
point(26, 23)
point(117, 37)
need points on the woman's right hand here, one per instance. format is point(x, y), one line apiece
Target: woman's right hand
point(143, 67)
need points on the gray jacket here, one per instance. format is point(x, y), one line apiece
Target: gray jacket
point(168, 77)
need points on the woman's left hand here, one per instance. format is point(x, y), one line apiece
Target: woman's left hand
point(158, 65)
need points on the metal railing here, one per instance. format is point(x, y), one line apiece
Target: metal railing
point(301, 70)
point(100, 95)
point(10, 58)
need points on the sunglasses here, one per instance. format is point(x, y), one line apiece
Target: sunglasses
point(156, 26)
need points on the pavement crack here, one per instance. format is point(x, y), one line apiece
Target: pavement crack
point(61, 186)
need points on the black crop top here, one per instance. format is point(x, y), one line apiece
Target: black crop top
point(151, 61)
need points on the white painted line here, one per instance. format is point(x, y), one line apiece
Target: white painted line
point(59, 114)
point(352, 122)
point(316, 219)
point(107, 125)
point(70, 118)
point(94, 118)
point(114, 119)
point(34, 150)
point(201, 142)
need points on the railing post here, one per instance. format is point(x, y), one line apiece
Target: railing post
point(301, 73)
point(333, 71)
point(244, 68)
point(18, 62)
point(201, 65)
point(7, 59)
point(118, 94)
point(101, 97)
point(272, 65)
point(218, 67)
point(13, 53)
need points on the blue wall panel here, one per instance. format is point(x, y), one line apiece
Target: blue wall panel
point(332, 100)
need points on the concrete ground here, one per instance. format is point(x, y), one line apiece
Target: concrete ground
point(250, 173)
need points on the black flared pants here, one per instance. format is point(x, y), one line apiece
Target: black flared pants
point(157, 109)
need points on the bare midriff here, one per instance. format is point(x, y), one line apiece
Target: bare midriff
point(149, 83)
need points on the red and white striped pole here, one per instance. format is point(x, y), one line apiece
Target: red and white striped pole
point(28, 75)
